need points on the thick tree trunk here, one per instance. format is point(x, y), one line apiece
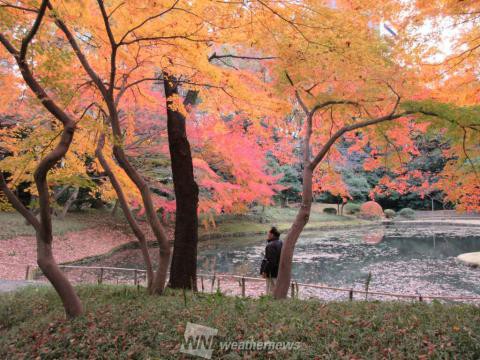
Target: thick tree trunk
point(126, 210)
point(183, 270)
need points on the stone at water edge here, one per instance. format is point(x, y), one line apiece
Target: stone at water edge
point(472, 259)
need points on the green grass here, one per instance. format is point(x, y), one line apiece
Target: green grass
point(123, 322)
point(282, 218)
point(13, 224)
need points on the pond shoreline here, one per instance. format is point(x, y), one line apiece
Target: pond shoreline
point(206, 238)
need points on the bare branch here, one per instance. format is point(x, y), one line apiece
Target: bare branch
point(17, 204)
point(324, 150)
point(17, 7)
point(81, 57)
point(242, 57)
point(33, 31)
point(297, 95)
point(332, 102)
point(153, 17)
point(8, 45)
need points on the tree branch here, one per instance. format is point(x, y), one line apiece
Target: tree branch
point(17, 204)
point(153, 17)
point(242, 57)
point(81, 57)
point(33, 31)
point(321, 154)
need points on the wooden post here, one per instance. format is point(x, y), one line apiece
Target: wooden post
point(350, 295)
point(213, 282)
point(420, 298)
point(135, 277)
point(243, 287)
point(100, 278)
point(297, 290)
point(201, 280)
point(292, 290)
point(218, 284)
point(27, 273)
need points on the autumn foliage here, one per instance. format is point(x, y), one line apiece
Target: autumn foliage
point(119, 96)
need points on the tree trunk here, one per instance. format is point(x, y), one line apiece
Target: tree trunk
point(46, 263)
point(160, 278)
point(183, 269)
point(126, 210)
point(115, 208)
point(43, 227)
point(288, 248)
point(69, 203)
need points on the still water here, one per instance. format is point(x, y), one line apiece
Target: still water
point(401, 259)
point(418, 259)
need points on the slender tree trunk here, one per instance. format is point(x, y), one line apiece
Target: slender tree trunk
point(126, 210)
point(286, 256)
point(183, 270)
point(46, 262)
point(69, 203)
point(115, 208)
point(43, 227)
point(288, 248)
point(160, 278)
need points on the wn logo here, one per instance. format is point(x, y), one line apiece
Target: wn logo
point(198, 340)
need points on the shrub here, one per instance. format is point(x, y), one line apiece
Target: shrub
point(330, 210)
point(407, 213)
point(351, 209)
point(389, 213)
point(370, 210)
point(5, 205)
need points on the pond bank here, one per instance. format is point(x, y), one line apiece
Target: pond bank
point(94, 235)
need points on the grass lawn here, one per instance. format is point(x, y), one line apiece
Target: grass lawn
point(282, 218)
point(125, 323)
point(12, 224)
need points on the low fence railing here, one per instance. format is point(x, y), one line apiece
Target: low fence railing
point(237, 284)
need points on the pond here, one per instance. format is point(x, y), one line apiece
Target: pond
point(401, 259)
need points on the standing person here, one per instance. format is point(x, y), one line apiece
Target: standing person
point(271, 260)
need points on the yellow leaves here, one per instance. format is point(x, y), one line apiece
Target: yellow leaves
point(175, 103)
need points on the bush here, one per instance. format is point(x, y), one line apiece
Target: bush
point(389, 213)
point(351, 209)
point(5, 205)
point(407, 213)
point(330, 210)
point(370, 210)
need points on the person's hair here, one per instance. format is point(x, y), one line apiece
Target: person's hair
point(274, 231)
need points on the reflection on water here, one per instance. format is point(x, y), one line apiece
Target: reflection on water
point(401, 259)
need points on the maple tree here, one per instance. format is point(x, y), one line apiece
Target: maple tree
point(43, 227)
point(230, 82)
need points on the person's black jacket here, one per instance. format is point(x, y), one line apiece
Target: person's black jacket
point(271, 260)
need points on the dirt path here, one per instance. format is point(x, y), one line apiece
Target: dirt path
point(17, 252)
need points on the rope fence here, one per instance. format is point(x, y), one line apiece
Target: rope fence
point(236, 284)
